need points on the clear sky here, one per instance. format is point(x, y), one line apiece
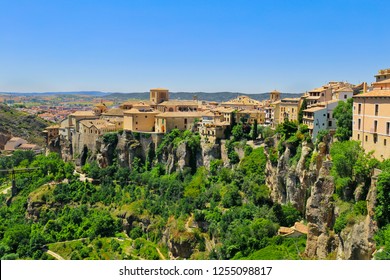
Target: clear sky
point(245, 46)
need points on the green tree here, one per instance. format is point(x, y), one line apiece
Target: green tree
point(382, 209)
point(300, 113)
point(343, 115)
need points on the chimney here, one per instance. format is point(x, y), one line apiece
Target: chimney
point(364, 87)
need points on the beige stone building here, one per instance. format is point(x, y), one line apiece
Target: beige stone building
point(318, 95)
point(178, 106)
point(289, 109)
point(250, 116)
point(371, 121)
point(243, 102)
point(89, 131)
point(140, 119)
point(166, 122)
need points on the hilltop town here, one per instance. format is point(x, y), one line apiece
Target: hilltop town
point(212, 120)
point(304, 177)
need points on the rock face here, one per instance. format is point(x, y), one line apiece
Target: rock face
point(320, 216)
point(287, 183)
point(357, 242)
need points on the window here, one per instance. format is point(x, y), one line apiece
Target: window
point(185, 121)
point(388, 128)
point(358, 136)
point(376, 109)
point(384, 142)
point(375, 138)
point(359, 123)
point(366, 138)
point(330, 123)
point(136, 122)
point(359, 109)
point(146, 117)
point(328, 115)
point(375, 126)
point(345, 96)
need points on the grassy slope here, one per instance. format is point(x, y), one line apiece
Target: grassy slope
point(22, 125)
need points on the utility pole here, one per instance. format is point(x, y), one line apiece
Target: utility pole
point(13, 172)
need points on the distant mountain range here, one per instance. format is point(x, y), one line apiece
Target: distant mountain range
point(209, 96)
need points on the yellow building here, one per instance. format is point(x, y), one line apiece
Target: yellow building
point(140, 119)
point(243, 102)
point(165, 122)
point(250, 116)
point(289, 109)
point(178, 106)
point(371, 121)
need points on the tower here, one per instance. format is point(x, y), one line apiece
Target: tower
point(274, 96)
point(159, 95)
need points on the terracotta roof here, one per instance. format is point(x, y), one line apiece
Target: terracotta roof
point(158, 89)
point(179, 102)
point(207, 114)
point(140, 111)
point(97, 123)
point(387, 81)
point(317, 89)
point(179, 115)
point(114, 112)
point(374, 93)
point(28, 146)
point(135, 101)
point(314, 109)
point(14, 139)
point(83, 114)
point(344, 89)
point(223, 110)
point(313, 97)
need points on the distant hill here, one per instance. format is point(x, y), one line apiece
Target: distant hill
point(119, 96)
point(209, 96)
point(90, 93)
point(15, 123)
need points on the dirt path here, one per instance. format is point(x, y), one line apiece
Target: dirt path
point(54, 255)
point(5, 190)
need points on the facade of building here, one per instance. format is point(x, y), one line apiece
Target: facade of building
point(371, 121)
point(318, 95)
point(166, 122)
point(289, 109)
point(140, 119)
point(243, 102)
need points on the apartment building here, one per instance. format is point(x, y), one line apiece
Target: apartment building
point(371, 121)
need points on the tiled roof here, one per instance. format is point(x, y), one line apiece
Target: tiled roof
point(180, 115)
point(179, 102)
point(114, 112)
point(83, 114)
point(140, 111)
point(374, 93)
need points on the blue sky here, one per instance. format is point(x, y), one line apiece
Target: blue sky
point(244, 46)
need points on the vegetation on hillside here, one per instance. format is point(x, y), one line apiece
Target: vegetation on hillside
point(16, 123)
